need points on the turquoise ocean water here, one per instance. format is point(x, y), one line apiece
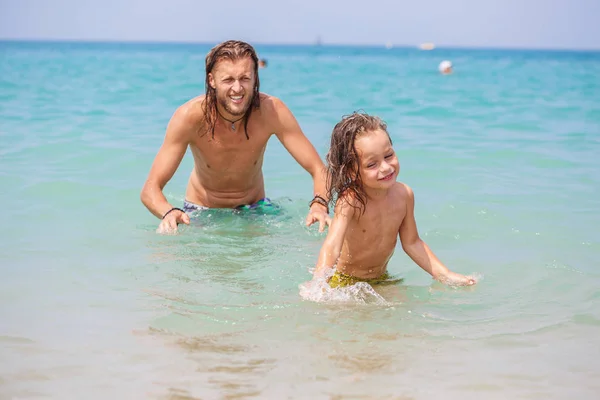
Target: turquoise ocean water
point(504, 159)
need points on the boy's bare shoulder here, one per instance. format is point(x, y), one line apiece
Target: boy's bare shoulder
point(404, 191)
point(347, 204)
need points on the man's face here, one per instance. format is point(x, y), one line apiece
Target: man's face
point(234, 83)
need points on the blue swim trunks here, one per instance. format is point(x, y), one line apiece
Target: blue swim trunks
point(263, 205)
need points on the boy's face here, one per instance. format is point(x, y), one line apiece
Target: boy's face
point(378, 164)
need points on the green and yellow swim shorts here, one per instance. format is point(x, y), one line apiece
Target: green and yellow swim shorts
point(340, 279)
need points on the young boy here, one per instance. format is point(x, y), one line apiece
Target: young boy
point(371, 210)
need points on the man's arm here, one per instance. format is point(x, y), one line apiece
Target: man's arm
point(332, 246)
point(290, 134)
point(166, 162)
point(420, 252)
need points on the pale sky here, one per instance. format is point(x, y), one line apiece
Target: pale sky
point(561, 24)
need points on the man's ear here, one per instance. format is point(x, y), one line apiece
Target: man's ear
point(211, 81)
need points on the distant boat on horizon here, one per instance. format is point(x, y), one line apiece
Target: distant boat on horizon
point(427, 46)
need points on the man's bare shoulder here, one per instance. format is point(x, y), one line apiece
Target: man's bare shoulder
point(271, 105)
point(276, 115)
point(187, 119)
point(190, 112)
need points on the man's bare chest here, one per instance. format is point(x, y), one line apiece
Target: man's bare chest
point(229, 151)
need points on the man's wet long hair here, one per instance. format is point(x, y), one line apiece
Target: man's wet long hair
point(232, 50)
point(343, 169)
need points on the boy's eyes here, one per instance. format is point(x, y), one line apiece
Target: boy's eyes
point(373, 164)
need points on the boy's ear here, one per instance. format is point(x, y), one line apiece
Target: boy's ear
point(353, 175)
point(354, 172)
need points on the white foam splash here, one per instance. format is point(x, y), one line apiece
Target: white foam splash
point(318, 290)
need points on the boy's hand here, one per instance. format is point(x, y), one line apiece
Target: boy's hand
point(454, 279)
point(316, 289)
point(323, 273)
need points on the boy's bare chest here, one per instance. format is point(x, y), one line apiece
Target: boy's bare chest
point(381, 221)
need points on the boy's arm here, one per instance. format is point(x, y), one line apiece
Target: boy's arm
point(332, 246)
point(418, 250)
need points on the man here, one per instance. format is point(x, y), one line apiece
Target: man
point(227, 131)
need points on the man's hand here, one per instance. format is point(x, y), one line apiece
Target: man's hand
point(169, 223)
point(318, 212)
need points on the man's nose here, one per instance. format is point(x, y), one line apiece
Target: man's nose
point(237, 86)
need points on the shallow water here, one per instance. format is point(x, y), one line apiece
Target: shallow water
point(503, 159)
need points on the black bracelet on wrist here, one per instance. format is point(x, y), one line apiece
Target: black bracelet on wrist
point(321, 201)
point(172, 209)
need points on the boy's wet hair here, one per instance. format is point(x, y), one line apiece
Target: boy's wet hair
point(232, 50)
point(343, 177)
